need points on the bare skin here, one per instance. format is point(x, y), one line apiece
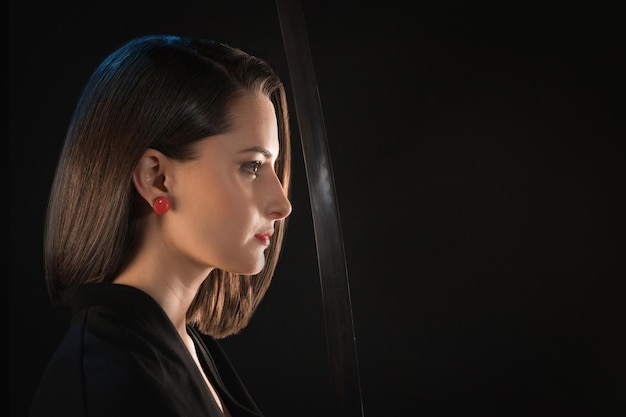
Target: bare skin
point(223, 206)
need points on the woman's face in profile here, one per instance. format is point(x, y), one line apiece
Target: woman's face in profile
point(225, 202)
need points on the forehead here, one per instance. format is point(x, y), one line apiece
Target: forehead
point(253, 127)
point(254, 121)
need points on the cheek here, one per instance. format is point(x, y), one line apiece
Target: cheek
point(215, 206)
point(211, 198)
point(198, 189)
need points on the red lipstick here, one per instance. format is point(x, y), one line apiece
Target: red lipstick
point(264, 238)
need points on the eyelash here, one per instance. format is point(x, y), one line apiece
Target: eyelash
point(252, 167)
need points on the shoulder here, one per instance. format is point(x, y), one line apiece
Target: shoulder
point(114, 359)
point(92, 370)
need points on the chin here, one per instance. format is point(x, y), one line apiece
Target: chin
point(260, 267)
point(253, 269)
point(256, 270)
point(245, 262)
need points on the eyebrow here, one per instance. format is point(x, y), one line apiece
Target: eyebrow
point(258, 149)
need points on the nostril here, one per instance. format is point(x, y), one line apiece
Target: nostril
point(276, 215)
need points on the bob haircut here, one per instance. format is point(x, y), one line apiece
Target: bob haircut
point(162, 92)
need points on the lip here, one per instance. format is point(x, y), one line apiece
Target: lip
point(264, 238)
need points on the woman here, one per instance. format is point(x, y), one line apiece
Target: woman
point(164, 225)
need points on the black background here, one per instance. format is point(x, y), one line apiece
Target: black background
point(477, 151)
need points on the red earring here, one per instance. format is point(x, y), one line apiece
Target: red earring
point(161, 205)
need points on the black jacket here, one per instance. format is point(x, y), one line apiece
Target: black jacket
point(122, 356)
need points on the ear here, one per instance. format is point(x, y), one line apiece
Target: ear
point(149, 175)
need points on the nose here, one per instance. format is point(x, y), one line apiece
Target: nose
point(279, 206)
point(282, 208)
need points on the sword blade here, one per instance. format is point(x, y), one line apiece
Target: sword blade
point(337, 305)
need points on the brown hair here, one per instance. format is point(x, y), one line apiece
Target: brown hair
point(163, 92)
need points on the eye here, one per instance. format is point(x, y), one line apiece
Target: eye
point(252, 167)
